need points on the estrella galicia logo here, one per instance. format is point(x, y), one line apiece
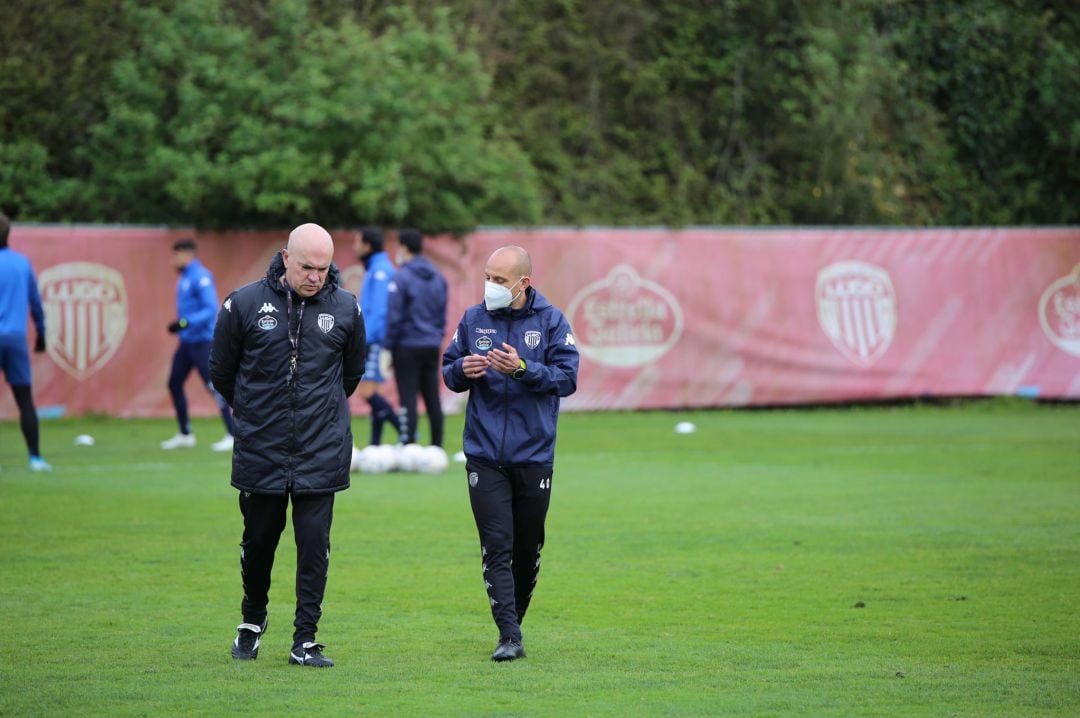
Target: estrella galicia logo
point(483, 343)
point(625, 320)
point(532, 339)
point(1059, 312)
point(326, 322)
point(267, 322)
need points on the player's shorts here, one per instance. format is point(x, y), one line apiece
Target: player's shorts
point(372, 370)
point(15, 359)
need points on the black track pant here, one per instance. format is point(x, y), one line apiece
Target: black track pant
point(509, 505)
point(419, 370)
point(28, 420)
point(264, 520)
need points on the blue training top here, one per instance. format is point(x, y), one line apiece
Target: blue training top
point(196, 301)
point(18, 295)
point(378, 271)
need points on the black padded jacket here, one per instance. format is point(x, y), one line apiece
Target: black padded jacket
point(289, 399)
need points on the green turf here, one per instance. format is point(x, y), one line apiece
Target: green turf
point(872, 562)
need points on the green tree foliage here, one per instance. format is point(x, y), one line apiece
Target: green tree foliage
point(221, 123)
point(55, 58)
point(1004, 76)
point(453, 113)
point(747, 111)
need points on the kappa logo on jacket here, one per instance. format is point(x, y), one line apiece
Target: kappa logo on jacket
point(267, 308)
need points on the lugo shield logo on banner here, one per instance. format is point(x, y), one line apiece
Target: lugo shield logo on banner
point(1059, 312)
point(856, 306)
point(85, 315)
point(623, 320)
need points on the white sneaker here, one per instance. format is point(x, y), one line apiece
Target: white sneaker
point(225, 444)
point(39, 464)
point(180, 441)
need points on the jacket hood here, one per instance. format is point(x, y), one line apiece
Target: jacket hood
point(421, 267)
point(276, 271)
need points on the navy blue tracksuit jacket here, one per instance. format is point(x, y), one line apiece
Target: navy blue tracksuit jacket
point(511, 422)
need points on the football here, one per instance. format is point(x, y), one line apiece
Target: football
point(409, 457)
point(433, 460)
point(375, 459)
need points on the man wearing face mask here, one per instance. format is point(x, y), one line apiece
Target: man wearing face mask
point(515, 355)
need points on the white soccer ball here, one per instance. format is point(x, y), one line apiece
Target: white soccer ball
point(84, 440)
point(460, 458)
point(685, 427)
point(388, 455)
point(433, 461)
point(354, 465)
point(375, 459)
point(409, 457)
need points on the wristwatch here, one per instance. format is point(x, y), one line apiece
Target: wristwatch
point(520, 371)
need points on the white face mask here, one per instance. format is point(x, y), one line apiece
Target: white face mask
point(496, 296)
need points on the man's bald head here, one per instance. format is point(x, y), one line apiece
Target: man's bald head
point(307, 259)
point(513, 258)
point(510, 267)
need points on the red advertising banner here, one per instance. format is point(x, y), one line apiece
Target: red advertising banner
point(663, 318)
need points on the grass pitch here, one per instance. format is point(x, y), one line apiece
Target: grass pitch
point(868, 562)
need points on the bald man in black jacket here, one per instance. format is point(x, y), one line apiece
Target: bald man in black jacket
point(288, 351)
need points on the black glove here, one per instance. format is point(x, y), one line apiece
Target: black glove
point(177, 326)
point(39, 343)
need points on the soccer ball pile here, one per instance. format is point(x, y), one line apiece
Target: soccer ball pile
point(412, 458)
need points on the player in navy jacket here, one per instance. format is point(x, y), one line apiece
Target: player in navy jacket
point(415, 329)
point(515, 355)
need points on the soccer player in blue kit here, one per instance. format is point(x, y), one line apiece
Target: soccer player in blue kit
point(196, 311)
point(19, 299)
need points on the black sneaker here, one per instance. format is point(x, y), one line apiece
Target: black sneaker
point(310, 654)
point(508, 650)
point(246, 645)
